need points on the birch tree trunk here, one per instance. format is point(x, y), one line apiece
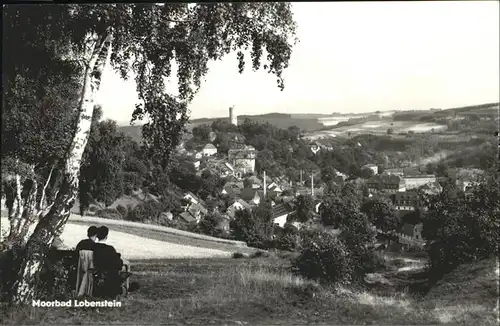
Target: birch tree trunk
point(52, 224)
point(25, 210)
point(14, 217)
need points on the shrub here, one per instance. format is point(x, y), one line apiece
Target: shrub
point(123, 211)
point(237, 255)
point(210, 225)
point(146, 212)
point(254, 227)
point(259, 254)
point(288, 239)
point(462, 228)
point(324, 258)
point(110, 213)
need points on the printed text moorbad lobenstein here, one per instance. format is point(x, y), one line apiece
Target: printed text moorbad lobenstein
point(77, 303)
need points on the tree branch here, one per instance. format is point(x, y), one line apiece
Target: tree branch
point(40, 203)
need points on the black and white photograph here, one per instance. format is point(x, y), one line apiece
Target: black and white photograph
point(250, 163)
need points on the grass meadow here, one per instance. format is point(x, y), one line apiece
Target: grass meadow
point(262, 291)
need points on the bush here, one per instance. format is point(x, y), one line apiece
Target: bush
point(237, 255)
point(462, 228)
point(288, 239)
point(123, 211)
point(110, 213)
point(324, 258)
point(254, 227)
point(146, 212)
point(259, 254)
point(210, 225)
point(56, 281)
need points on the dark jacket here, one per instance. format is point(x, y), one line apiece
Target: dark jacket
point(106, 258)
point(86, 244)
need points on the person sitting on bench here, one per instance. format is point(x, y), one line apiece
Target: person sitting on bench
point(88, 244)
point(108, 264)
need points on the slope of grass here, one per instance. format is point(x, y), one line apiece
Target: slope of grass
point(175, 238)
point(469, 292)
point(251, 292)
point(263, 292)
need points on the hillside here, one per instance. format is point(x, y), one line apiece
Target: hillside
point(414, 120)
point(262, 291)
point(307, 122)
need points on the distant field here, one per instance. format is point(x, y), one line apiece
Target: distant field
point(378, 127)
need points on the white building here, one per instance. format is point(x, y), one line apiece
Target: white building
point(209, 150)
point(239, 204)
point(372, 167)
point(243, 159)
point(413, 182)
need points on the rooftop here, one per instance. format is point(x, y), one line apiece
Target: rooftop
point(209, 146)
point(381, 178)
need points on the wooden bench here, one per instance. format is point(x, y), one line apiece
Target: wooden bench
point(71, 257)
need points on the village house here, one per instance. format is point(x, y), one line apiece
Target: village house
point(386, 183)
point(256, 183)
point(371, 167)
point(193, 199)
point(222, 168)
point(197, 210)
point(431, 188)
point(306, 191)
point(281, 212)
point(282, 182)
point(416, 181)
point(394, 171)
point(465, 178)
point(209, 150)
point(242, 159)
point(239, 204)
point(406, 200)
point(274, 187)
point(252, 196)
point(232, 189)
point(186, 217)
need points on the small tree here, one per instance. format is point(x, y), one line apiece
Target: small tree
point(460, 228)
point(304, 206)
point(324, 258)
point(202, 132)
point(381, 213)
point(247, 183)
point(255, 227)
point(210, 225)
point(359, 239)
point(390, 131)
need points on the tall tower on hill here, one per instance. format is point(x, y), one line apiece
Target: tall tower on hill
point(233, 117)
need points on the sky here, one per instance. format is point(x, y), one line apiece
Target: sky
point(356, 57)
